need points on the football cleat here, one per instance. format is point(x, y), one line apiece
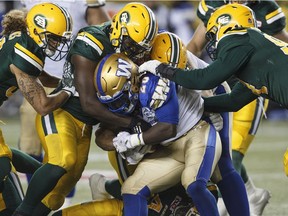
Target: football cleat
point(97, 187)
point(258, 201)
point(221, 207)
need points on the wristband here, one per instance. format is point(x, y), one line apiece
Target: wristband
point(136, 140)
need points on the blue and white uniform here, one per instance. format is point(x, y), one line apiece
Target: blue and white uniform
point(190, 157)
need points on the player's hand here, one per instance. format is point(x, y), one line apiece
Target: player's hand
point(125, 141)
point(216, 120)
point(138, 125)
point(160, 93)
point(67, 84)
point(149, 66)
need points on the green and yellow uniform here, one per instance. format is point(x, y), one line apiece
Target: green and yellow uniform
point(271, 20)
point(66, 133)
point(258, 60)
point(20, 50)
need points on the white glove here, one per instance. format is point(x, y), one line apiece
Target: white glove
point(125, 141)
point(67, 84)
point(149, 66)
point(95, 3)
point(134, 156)
point(216, 120)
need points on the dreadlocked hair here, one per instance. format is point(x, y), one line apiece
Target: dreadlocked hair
point(14, 20)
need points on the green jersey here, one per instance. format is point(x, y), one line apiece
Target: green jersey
point(269, 16)
point(258, 60)
point(20, 50)
point(92, 42)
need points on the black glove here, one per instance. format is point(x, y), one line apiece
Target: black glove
point(138, 125)
point(166, 71)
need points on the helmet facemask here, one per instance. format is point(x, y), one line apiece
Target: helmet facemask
point(55, 47)
point(133, 31)
point(226, 20)
point(50, 26)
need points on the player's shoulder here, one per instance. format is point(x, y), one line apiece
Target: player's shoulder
point(92, 42)
point(206, 8)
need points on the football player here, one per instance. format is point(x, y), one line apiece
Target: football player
point(167, 48)
point(241, 50)
point(27, 40)
point(66, 133)
point(161, 112)
point(89, 12)
point(271, 20)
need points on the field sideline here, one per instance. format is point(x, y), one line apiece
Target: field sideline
point(263, 162)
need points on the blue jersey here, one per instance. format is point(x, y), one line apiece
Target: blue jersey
point(155, 110)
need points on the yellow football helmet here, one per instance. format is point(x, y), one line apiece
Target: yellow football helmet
point(169, 48)
point(116, 83)
point(50, 26)
point(133, 30)
point(225, 20)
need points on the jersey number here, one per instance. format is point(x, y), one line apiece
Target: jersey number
point(11, 36)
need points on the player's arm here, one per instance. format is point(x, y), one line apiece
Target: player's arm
point(230, 102)
point(96, 13)
point(48, 81)
point(35, 94)
point(198, 41)
point(83, 78)
point(104, 135)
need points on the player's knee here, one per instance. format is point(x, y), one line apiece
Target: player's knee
point(130, 186)
point(69, 162)
point(54, 201)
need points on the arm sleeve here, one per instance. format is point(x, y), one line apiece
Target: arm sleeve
point(227, 64)
point(231, 102)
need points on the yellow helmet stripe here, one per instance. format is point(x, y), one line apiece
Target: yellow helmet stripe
point(91, 41)
point(175, 52)
point(203, 7)
point(67, 16)
point(275, 15)
point(28, 56)
point(151, 33)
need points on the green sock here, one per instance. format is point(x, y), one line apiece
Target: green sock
point(237, 158)
point(113, 187)
point(23, 162)
point(11, 196)
point(42, 182)
point(41, 210)
point(5, 168)
point(244, 174)
point(238, 165)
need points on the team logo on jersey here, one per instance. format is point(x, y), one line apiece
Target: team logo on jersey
point(40, 21)
point(224, 19)
point(124, 17)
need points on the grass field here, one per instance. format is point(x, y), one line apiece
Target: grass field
point(263, 162)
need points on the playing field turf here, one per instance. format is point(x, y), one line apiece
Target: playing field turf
point(263, 162)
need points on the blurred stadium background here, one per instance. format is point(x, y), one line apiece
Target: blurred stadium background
point(264, 160)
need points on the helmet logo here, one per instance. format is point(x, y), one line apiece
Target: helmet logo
point(40, 21)
point(124, 68)
point(124, 17)
point(224, 19)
